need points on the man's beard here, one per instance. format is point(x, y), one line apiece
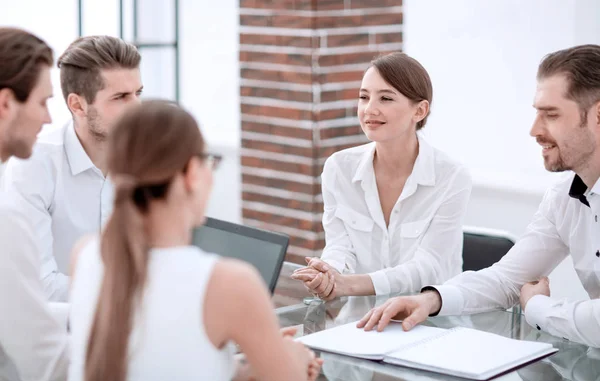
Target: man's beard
point(94, 123)
point(574, 158)
point(19, 148)
point(16, 143)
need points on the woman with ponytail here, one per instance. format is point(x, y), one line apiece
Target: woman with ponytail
point(145, 304)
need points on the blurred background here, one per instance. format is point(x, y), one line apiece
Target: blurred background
point(274, 85)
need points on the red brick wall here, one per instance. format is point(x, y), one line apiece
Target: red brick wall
point(301, 62)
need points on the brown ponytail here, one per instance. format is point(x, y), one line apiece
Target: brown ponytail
point(124, 254)
point(150, 144)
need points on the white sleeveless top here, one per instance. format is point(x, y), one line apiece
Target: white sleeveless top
point(168, 340)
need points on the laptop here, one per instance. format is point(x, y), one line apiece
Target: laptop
point(263, 249)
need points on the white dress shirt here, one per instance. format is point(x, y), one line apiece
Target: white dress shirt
point(423, 242)
point(64, 196)
point(33, 343)
point(566, 223)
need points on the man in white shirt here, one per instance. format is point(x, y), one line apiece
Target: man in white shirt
point(33, 344)
point(567, 126)
point(63, 189)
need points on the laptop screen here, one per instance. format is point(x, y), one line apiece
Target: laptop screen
point(264, 250)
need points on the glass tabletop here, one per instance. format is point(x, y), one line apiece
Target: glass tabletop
point(572, 361)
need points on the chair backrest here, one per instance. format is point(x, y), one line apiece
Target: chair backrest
point(484, 247)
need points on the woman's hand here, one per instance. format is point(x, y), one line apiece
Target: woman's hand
point(319, 278)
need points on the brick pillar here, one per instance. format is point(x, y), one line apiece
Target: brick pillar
point(301, 63)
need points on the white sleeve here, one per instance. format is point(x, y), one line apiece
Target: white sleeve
point(30, 335)
point(30, 185)
point(575, 321)
point(535, 255)
point(339, 251)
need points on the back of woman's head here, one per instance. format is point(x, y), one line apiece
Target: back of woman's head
point(153, 142)
point(149, 146)
point(408, 76)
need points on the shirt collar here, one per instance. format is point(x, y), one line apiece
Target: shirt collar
point(77, 158)
point(423, 171)
point(578, 190)
point(596, 188)
point(365, 165)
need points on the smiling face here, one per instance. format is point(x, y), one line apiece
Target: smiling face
point(384, 113)
point(565, 132)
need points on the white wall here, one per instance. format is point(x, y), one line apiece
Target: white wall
point(482, 57)
point(209, 67)
point(210, 90)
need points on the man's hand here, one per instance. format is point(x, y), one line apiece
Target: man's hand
point(411, 309)
point(531, 289)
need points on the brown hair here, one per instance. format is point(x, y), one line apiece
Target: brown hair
point(150, 144)
point(21, 54)
point(581, 66)
point(408, 76)
point(81, 63)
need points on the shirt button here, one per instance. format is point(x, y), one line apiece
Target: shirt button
point(598, 253)
point(538, 327)
point(596, 218)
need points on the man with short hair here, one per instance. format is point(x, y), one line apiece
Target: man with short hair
point(567, 126)
point(63, 189)
point(33, 345)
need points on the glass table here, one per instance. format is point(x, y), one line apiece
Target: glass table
point(572, 362)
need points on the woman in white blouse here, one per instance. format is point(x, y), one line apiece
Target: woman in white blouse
point(393, 208)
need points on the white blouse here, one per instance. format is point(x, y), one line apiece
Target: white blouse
point(423, 243)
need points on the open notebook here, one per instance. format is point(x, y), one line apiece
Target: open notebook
point(461, 352)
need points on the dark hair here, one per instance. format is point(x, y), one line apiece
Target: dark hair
point(408, 76)
point(21, 55)
point(81, 63)
point(581, 66)
point(150, 144)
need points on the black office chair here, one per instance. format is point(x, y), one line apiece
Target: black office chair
point(484, 247)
